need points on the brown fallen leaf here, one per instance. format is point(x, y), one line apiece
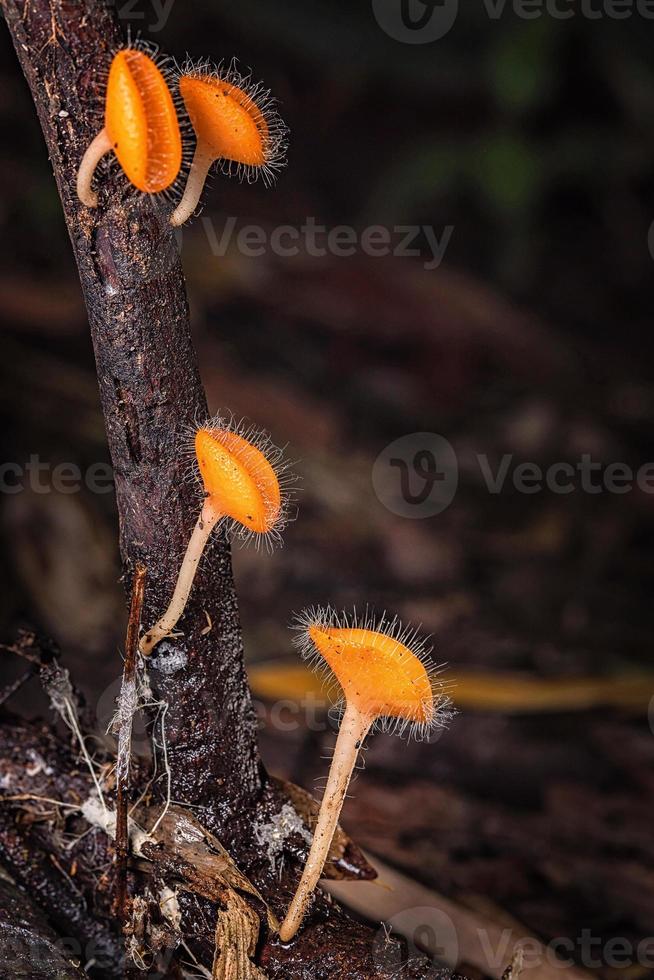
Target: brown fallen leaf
point(188, 849)
point(462, 936)
point(345, 859)
point(515, 967)
point(237, 933)
point(177, 843)
point(183, 845)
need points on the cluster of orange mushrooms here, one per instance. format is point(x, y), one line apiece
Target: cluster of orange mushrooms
point(149, 108)
point(383, 671)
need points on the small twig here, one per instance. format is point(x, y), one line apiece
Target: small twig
point(56, 683)
point(30, 647)
point(11, 689)
point(40, 799)
point(127, 700)
point(18, 651)
point(164, 747)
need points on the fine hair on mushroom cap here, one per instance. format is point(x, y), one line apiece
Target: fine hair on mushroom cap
point(388, 681)
point(141, 125)
point(246, 489)
point(237, 128)
point(381, 628)
point(241, 433)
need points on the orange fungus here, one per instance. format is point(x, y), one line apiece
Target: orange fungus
point(228, 122)
point(377, 672)
point(238, 478)
point(140, 127)
point(141, 122)
point(246, 486)
point(236, 127)
point(384, 675)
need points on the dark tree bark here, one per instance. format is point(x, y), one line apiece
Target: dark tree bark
point(151, 394)
point(150, 389)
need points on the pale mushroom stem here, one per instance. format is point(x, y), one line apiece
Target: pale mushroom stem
point(195, 182)
point(100, 146)
point(209, 516)
point(353, 730)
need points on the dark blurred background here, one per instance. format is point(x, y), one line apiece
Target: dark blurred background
point(530, 144)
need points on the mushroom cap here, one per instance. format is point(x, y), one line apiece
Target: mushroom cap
point(378, 673)
point(238, 478)
point(226, 120)
point(141, 121)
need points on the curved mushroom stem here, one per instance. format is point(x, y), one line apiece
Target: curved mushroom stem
point(100, 146)
point(354, 728)
point(209, 516)
point(197, 176)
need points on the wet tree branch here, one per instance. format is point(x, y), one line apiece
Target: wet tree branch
point(150, 388)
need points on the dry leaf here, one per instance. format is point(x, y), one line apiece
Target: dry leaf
point(515, 967)
point(182, 844)
point(345, 859)
point(237, 933)
point(462, 935)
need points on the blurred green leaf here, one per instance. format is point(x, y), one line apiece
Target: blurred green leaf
point(523, 64)
point(508, 171)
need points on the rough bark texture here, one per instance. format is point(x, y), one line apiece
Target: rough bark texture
point(151, 392)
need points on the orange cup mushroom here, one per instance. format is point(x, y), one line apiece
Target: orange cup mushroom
point(140, 127)
point(387, 681)
point(246, 485)
point(235, 123)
